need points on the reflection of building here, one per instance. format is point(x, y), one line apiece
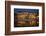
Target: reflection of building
point(31, 19)
point(20, 23)
point(22, 15)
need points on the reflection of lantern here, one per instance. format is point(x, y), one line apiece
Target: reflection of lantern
point(30, 23)
point(30, 15)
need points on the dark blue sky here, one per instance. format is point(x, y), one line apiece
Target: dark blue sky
point(18, 10)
